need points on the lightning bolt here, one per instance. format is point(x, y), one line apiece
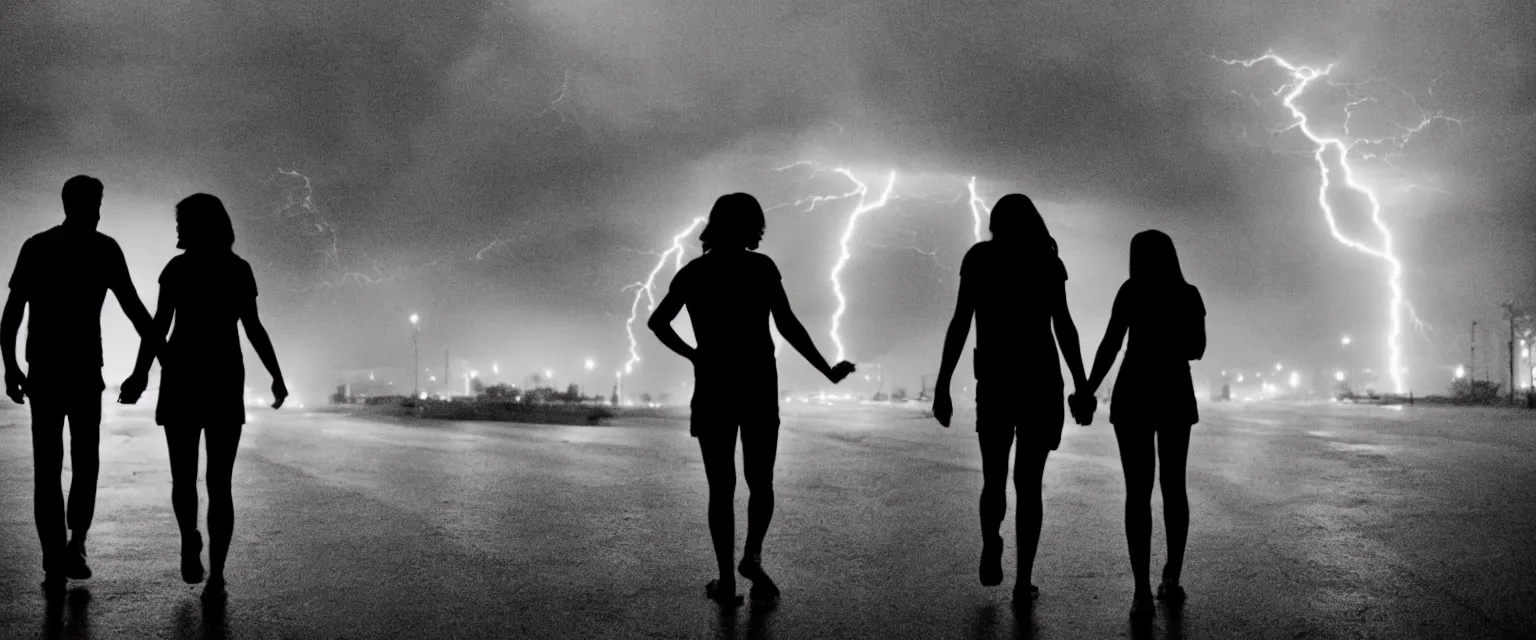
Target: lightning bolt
point(979, 208)
point(646, 289)
point(863, 207)
point(1301, 77)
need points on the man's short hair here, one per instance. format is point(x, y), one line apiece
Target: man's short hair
point(81, 193)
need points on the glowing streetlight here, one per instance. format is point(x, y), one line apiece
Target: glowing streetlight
point(1345, 341)
point(1295, 380)
point(416, 354)
point(1338, 375)
point(1239, 377)
point(588, 365)
point(1461, 372)
point(1278, 367)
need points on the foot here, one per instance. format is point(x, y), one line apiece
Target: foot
point(1171, 593)
point(54, 585)
point(214, 590)
point(724, 594)
point(1142, 607)
point(751, 568)
point(192, 558)
point(1022, 593)
point(75, 567)
point(991, 572)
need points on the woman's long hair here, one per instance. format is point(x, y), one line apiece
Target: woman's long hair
point(1154, 260)
point(1015, 221)
point(202, 224)
point(736, 221)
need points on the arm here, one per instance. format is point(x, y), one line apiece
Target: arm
point(795, 334)
point(262, 343)
point(10, 324)
point(1066, 335)
point(954, 339)
point(661, 325)
point(150, 344)
point(954, 343)
point(1114, 336)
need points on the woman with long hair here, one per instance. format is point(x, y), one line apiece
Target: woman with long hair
point(1015, 287)
point(207, 291)
point(730, 292)
point(1153, 399)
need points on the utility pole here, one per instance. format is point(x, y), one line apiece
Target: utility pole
point(447, 377)
point(1472, 362)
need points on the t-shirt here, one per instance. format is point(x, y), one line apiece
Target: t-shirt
point(64, 274)
point(208, 291)
point(1015, 293)
point(728, 294)
point(1161, 321)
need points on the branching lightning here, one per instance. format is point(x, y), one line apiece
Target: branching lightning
point(1302, 76)
point(864, 207)
point(647, 288)
point(979, 208)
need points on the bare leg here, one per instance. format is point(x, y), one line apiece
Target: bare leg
point(995, 443)
point(181, 443)
point(759, 450)
point(1028, 480)
point(1173, 452)
point(719, 451)
point(223, 443)
point(1138, 460)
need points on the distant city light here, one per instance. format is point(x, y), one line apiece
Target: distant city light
point(590, 364)
point(1461, 372)
point(1278, 367)
point(1346, 341)
point(1295, 379)
point(1239, 377)
point(1338, 375)
point(415, 318)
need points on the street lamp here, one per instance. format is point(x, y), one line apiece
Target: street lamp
point(588, 369)
point(416, 353)
point(1351, 357)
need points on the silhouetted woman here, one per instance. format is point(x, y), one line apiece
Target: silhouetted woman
point(1154, 398)
point(207, 291)
point(1015, 286)
point(730, 291)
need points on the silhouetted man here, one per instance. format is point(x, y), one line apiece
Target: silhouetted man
point(64, 274)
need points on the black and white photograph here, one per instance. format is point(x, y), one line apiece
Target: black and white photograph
point(773, 319)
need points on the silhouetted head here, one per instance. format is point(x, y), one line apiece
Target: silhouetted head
point(1016, 221)
point(202, 224)
point(1153, 259)
point(82, 201)
point(735, 222)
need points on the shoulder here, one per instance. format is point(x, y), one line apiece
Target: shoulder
point(763, 264)
point(976, 258)
point(173, 268)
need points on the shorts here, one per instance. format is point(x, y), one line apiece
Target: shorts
point(1037, 413)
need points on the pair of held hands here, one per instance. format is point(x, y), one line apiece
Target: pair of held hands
point(131, 390)
point(1081, 405)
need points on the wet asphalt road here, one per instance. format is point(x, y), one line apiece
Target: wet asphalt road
point(1317, 522)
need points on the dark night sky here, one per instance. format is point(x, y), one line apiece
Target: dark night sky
point(501, 168)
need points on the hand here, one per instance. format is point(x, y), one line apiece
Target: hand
point(279, 393)
point(943, 408)
point(15, 385)
point(1082, 407)
point(132, 389)
point(839, 371)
